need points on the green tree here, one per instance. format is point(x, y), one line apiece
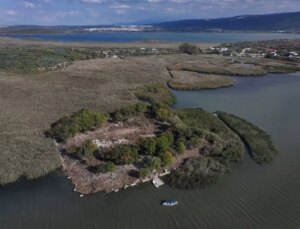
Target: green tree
point(188, 48)
point(161, 111)
point(124, 154)
point(166, 158)
point(180, 147)
point(110, 166)
point(163, 143)
point(87, 149)
point(147, 146)
point(144, 172)
point(154, 163)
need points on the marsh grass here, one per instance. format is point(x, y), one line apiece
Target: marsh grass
point(260, 143)
point(186, 80)
point(30, 103)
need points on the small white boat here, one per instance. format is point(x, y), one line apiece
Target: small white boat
point(169, 203)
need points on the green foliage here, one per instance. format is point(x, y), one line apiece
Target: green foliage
point(107, 167)
point(188, 48)
point(147, 146)
point(128, 112)
point(260, 143)
point(161, 111)
point(154, 163)
point(180, 147)
point(124, 154)
point(204, 125)
point(163, 143)
point(166, 158)
point(32, 59)
point(144, 172)
point(78, 122)
point(110, 166)
point(87, 149)
point(156, 93)
point(197, 173)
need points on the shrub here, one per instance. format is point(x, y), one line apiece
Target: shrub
point(166, 158)
point(154, 163)
point(110, 166)
point(197, 173)
point(188, 48)
point(103, 168)
point(147, 146)
point(180, 147)
point(161, 111)
point(128, 112)
point(124, 154)
point(144, 172)
point(87, 149)
point(80, 121)
point(162, 143)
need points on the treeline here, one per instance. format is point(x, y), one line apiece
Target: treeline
point(78, 122)
point(31, 59)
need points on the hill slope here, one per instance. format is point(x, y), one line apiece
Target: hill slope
point(269, 22)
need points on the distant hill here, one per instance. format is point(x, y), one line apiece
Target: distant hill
point(269, 22)
point(285, 22)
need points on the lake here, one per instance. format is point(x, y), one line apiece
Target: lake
point(252, 196)
point(169, 36)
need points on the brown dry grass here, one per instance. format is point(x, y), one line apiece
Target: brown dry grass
point(185, 80)
point(30, 103)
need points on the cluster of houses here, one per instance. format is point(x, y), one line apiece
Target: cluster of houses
point(251, 52)
point(130, 28)
point(125, 52)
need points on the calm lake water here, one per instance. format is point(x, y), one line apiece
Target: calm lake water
point(252, 196)
point(146, 36)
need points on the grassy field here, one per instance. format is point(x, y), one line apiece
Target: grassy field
point(185, 80)
point(259, 142)
point(31, 102)
point(234, 66)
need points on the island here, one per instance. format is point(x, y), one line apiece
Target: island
point(114, 98)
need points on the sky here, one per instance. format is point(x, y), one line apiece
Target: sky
point(100, 12)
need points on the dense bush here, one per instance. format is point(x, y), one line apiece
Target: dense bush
point(163, 143)
point(161, 111)
point(107, 167)
point(147, 146)
point(124, 154)
point(128, 112)
point(80, 121)
point(88, 149)
point(144, 172)
point(154, 162)
point(166, 158)
point(188, 48)
point(197, 173)
point(180, 147)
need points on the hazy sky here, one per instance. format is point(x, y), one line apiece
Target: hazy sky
point(78, 12)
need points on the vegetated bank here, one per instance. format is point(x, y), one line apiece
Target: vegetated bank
point(107, 152)
point(217, 64)
point(187, 80)
point(260, 143)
